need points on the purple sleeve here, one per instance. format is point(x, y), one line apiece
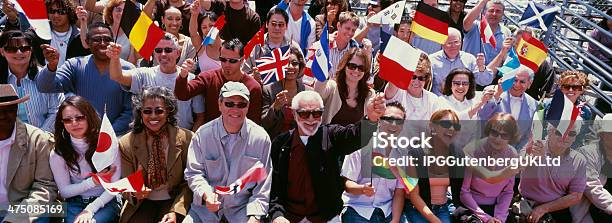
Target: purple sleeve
point(468, 200)
point(578, 183)
point(504, 199)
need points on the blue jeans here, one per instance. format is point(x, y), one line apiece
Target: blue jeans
point(378, 216)
point(443, 212)
point(107, 214)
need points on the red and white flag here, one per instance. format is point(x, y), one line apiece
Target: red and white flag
point(398, 60)
point(107, 150)
point(486, 33)
point(36, 12)
point(132, 183)
point(253, 175)
point(562, 113)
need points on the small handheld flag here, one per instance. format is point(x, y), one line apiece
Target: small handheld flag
point(140, 29)
point(539, 16)
point(398, 60)
point(258, 39)
point(562, 113)
point(36, 12)
point(214, 31)
point(531, 51)
point(107, 150)
point(132, 183)
point(509, 69)
point(486, 33)
point(389, 15)
point(272, 65)
point(254, 174)
point(430, 23)
point(320, 65)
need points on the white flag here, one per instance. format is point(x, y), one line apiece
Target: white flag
point(390, 15)
point(108, 147)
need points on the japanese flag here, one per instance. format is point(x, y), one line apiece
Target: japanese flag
point(108, 146)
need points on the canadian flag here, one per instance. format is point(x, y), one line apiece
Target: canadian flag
point(132, 183)
point(36, 12)
point(486, 33)
point(107, 150)
point(252, 175)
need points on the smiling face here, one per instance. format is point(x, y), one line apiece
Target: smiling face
point(277, 26)
point(207, 23)
point(354, 70)
point(457, 6)
point(346, 31)
point(233, 116)
point(389, 127)
point(58, 17)
point(572, 88)
point(166, 60)
point(452, 46)
point(443, 132)
point(559, 144)
point(22, 56)
point(154, 113)
point(522, 82)
point(75, 122)
point(292, 70)
point(460, 86)
point(308, 126)
point(403, 32)
point(98, 40)
point(172, 20)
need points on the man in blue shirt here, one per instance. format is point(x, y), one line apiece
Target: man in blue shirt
point(494, 12)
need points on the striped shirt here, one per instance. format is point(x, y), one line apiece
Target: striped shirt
point(336, 54)
point(42, 107)
point(80, 76)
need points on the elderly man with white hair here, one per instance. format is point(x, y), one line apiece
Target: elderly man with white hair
point(450, 57)
point(514, 101)
point(306, 182)
point(596, 204)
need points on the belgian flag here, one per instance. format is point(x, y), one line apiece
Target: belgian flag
point(140, 29)
point(430, 23)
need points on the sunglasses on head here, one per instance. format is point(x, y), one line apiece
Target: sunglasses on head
point(393, 120)
point(231, 104)
point(165, 49)
point(69, 120)
point(57, 11)
point(420, 78)
point(447, 124)
point(461, 83)
point(157, 111)
point(570, 133)
point(352, 66)
point(100, 39)
point(495, 133)
point(567, 87)
point(304, 114)
point(13, 49)
point(225, 60)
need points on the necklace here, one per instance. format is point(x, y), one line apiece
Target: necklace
point(61, 39)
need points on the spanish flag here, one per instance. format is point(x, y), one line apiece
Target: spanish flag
point(140, 29)
point(531, 51)
point(430, 23)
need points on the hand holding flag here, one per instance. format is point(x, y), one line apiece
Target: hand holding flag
point(132, 183)
point(486, 33)
point(272, 66)
point(254, 174)
point(214, 31)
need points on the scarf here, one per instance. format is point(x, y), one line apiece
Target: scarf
point(156, 166)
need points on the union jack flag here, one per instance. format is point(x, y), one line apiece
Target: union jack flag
point(272, 65)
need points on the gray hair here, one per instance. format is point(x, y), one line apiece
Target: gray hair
point(151, 93)
point(306, 96)
point(525, 69)
point(169, 36)
point(495, 2)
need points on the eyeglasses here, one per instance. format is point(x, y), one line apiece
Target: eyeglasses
point(393, 120)
point(461, 83)
point(13, 49)
point(165, 49)
point(570, 133)
point(70, 120)
point(447, 124)
point(277, 24)
point(567, 87)
point(231, 104)
point(304, 114)
point(352, 66)
point(57, 11)
point(225, 60)
point(495, 133)
point(456, 42)
point(100, 39)
point(420, 78)
point(157, 111)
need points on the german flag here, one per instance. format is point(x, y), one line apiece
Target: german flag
point(430, 23)
point(531, 51)
point(140, 29)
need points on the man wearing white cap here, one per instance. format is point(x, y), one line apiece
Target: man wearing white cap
point(24, 149)
point(597, 197)
point(221, 151)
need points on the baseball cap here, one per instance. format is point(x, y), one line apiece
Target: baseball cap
point(232, 88)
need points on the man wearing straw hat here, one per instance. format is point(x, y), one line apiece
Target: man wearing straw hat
point(24, 149)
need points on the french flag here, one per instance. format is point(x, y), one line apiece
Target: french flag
point(132, 183)
point(486, 33)
point(214, 31)
point(398, 60)
point(320, 64)
point(36, 12)
point(107, 150)
point(254, 174)
point(509, 69)
point(562, 113)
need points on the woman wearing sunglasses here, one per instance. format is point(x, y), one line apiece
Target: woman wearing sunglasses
point(199, 26)
point(158, 147)
point(18, 68)
point(429, 201)
point(573, 84)
point(277, 116)
point(76, 137)
point(486, 199)
point(345, 97)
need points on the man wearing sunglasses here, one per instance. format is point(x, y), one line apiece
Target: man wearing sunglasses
point(514, 101)
point(166, 54)
point(306, 181)
point(554, 188)
point(25, 174)
point(209, 83)
point(88, 76)
point(220, 152)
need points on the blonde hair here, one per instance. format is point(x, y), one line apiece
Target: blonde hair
point(107, 14)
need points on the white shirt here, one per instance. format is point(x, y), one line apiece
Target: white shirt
point(5, 149)
point(294, 29)
point(515, 106)
point(419, 109)
point(59, 41)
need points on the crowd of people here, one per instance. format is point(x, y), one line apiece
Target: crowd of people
point(197, 116)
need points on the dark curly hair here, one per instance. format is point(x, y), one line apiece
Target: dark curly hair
point(151, 93)
point(448, 83)
point(69, 5)
point(63, 143)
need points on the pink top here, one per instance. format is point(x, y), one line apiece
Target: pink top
point(438, 188)
point(206, 63)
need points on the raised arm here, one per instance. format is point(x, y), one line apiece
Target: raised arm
point(93, 6)
point(472, 15)
point(196, 39)
point(114, 69)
